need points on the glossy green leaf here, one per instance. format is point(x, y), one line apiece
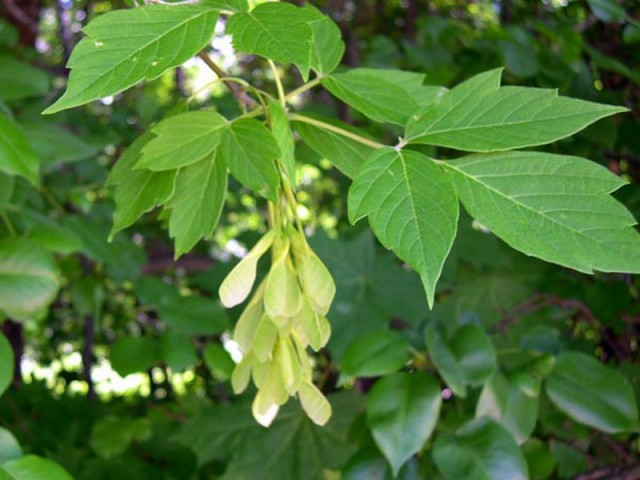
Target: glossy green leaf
point(6, 363)
point(29, 278)
point(382, 95)
point(412, 208)
point(481, 449)
point(592, 394)
point(16, 154)
point(346, 154)
point(137, 191)
point(31, 467)
point(182, 140)
point(282, 133)
point(197, 203)
point(375, 354)
point(466, 358)
point(402, 411)
point(539, 459)
point(479, 116)
point(250, 151)
point(278, 31)
point(549, 206)
point(9, 446)
point(503, 401)
point(20, 80)
point(123, 47)
point(133, 355)
point(218, 360)
point(607, 10)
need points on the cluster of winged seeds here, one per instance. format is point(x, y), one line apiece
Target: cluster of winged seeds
point(285, 316)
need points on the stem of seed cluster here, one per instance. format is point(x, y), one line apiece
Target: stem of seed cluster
point(238, 92)
point(276, 78)
point(340, 131)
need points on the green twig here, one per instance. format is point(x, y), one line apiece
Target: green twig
point(9, 225)
point(300, 90)
point(340, 131)
point(276, 77)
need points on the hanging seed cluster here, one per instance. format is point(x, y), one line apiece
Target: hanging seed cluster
point(285, 316)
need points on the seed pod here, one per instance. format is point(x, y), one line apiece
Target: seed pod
point(238, 284)
point(312, 327)
point(314, 403)
point(265, 339)
point(263, 412)
point(305, 363)
point(242, 374)
point(245, 330)
point(290, 369)
point(317, 283)
point(282, 296)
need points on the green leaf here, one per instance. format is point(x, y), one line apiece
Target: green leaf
point(294, 448)
point(412, 208)
point(123, 47)
point(592, 394)
point(480, 450)
point(31, 467)
point(193, 315)
point(467, 358)
point(197, 203)
point(382, 95)
point(54, 145)
point(539, 459)
point(9, 446)
point(550, 206)
point(479, 116)
point(111, 436)
point(218, 360)
point(375, 354)
point(20, 80)
point(7, 184)
point(177, 350)
point(6, 363)
point(133, 354)
point(278, 31)
point(182, 140)
point(8, 34)
point(284, 138)
point(233, 5)
point(16, 154)
point(327, 47)
point(29, 278)
point(346, 154)
point(503, 401)
point(251, 153)
point(607, 10)
point(402, 411)
point(137, 191)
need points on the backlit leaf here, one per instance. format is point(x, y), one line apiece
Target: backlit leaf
point(123, 47)
point(16, 154)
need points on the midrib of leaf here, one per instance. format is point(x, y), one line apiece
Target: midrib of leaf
point(155, 39)
point(525, 207)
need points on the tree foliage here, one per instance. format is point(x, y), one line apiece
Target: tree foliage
point(188, 277)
